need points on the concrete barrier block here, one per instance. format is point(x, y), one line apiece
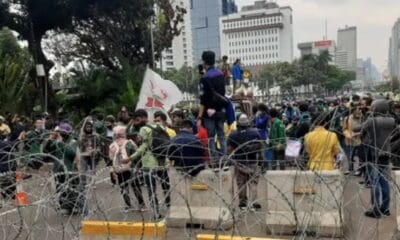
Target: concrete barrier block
point(396, 177)
point(304, 201)
point(99, 230)
point(204, 200)
point(223, 237)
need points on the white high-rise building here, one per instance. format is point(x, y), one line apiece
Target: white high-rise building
point(260, 34)
point(394, 51)
point(180, 53)
point(346, 53)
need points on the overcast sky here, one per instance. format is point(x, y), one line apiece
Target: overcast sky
point(373, 18)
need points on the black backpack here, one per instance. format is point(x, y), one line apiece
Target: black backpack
point(160, 143)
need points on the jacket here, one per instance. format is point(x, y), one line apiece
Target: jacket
point(188, 153)
point(277, 134)
point(236, 73)
point(213, 79)
point(351, 139)
point(144, 153)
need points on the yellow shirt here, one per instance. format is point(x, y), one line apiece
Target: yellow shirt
point(4, 129)
point(171, 132)
point(322, 146)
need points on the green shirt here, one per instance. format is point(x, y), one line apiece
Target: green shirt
point(65, 152)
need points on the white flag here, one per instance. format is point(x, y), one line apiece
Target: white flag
point(157, 93)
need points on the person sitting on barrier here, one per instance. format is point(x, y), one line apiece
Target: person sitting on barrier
point(246, 147)
point(186, 151)
point(120, 149)
point(322, 146)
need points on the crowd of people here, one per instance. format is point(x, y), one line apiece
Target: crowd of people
point(139, 146)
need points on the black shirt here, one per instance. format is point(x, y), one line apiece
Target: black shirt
point(214, 78)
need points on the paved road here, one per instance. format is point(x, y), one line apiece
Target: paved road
point(41, 221)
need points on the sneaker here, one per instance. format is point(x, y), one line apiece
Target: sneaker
point(65, 212)
point(357, 174)
point(158, 218)
point(372, 214)
point(243, 206)
point(361, 182)
point(256, 206)
point(346, 172)
point(385, 213)
point(128, 209)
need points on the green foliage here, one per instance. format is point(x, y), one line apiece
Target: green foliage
point(104, 91)
point(310, 69)
point(16, 89)
point(186, 78)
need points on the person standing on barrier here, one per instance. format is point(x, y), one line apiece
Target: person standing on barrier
point(153, 167)
point(277, 138)
point(322, 146)
point(120, 149)
point(376, 132)
point(186, 152)
point(246, 147)
point(63, 148)
point(213, 104)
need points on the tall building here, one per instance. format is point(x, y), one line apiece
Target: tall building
point(205, 16)
point(180, 53)
point(260, 34)
point(346, 57)
point(367, 73)
point(394, 51)
point(317, 47)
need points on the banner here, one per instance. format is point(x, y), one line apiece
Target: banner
point(157, 93)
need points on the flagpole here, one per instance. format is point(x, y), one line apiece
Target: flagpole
point(152, 44)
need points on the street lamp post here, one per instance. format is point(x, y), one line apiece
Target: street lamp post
point(42, 77)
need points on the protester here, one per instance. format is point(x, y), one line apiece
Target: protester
point(109, 124)
point(322, 146)
point(226, 69)
point(376, 132)
point(237, 73)
point(161, 118)
point(7, 169)
point(186, 151)
point(213, 104)
point(4, 128)
point(32, 145)
point(277, 138)
point(121, 149)
point(63, 148)
point(90, 148)
point(245, 145)
point(152, 166)
point(353, 140)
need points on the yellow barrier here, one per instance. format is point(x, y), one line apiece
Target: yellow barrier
point(213, 237)
point(122, 229)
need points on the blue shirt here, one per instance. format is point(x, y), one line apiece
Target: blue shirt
point(246, 144)
point(187, 152)
point(261, 123)
point(214, 78)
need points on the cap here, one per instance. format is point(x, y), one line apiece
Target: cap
point(64, 128)
point(243, 121)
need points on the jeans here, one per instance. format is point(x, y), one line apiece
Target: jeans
point(215, 126)
point(151, 184)
point(380, 191)
point(126, 179)
point(279, 158)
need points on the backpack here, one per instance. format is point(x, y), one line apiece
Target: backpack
point(160, 143)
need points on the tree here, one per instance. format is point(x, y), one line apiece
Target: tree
point(186, 78)
point(16, 90)
point(266, 78)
